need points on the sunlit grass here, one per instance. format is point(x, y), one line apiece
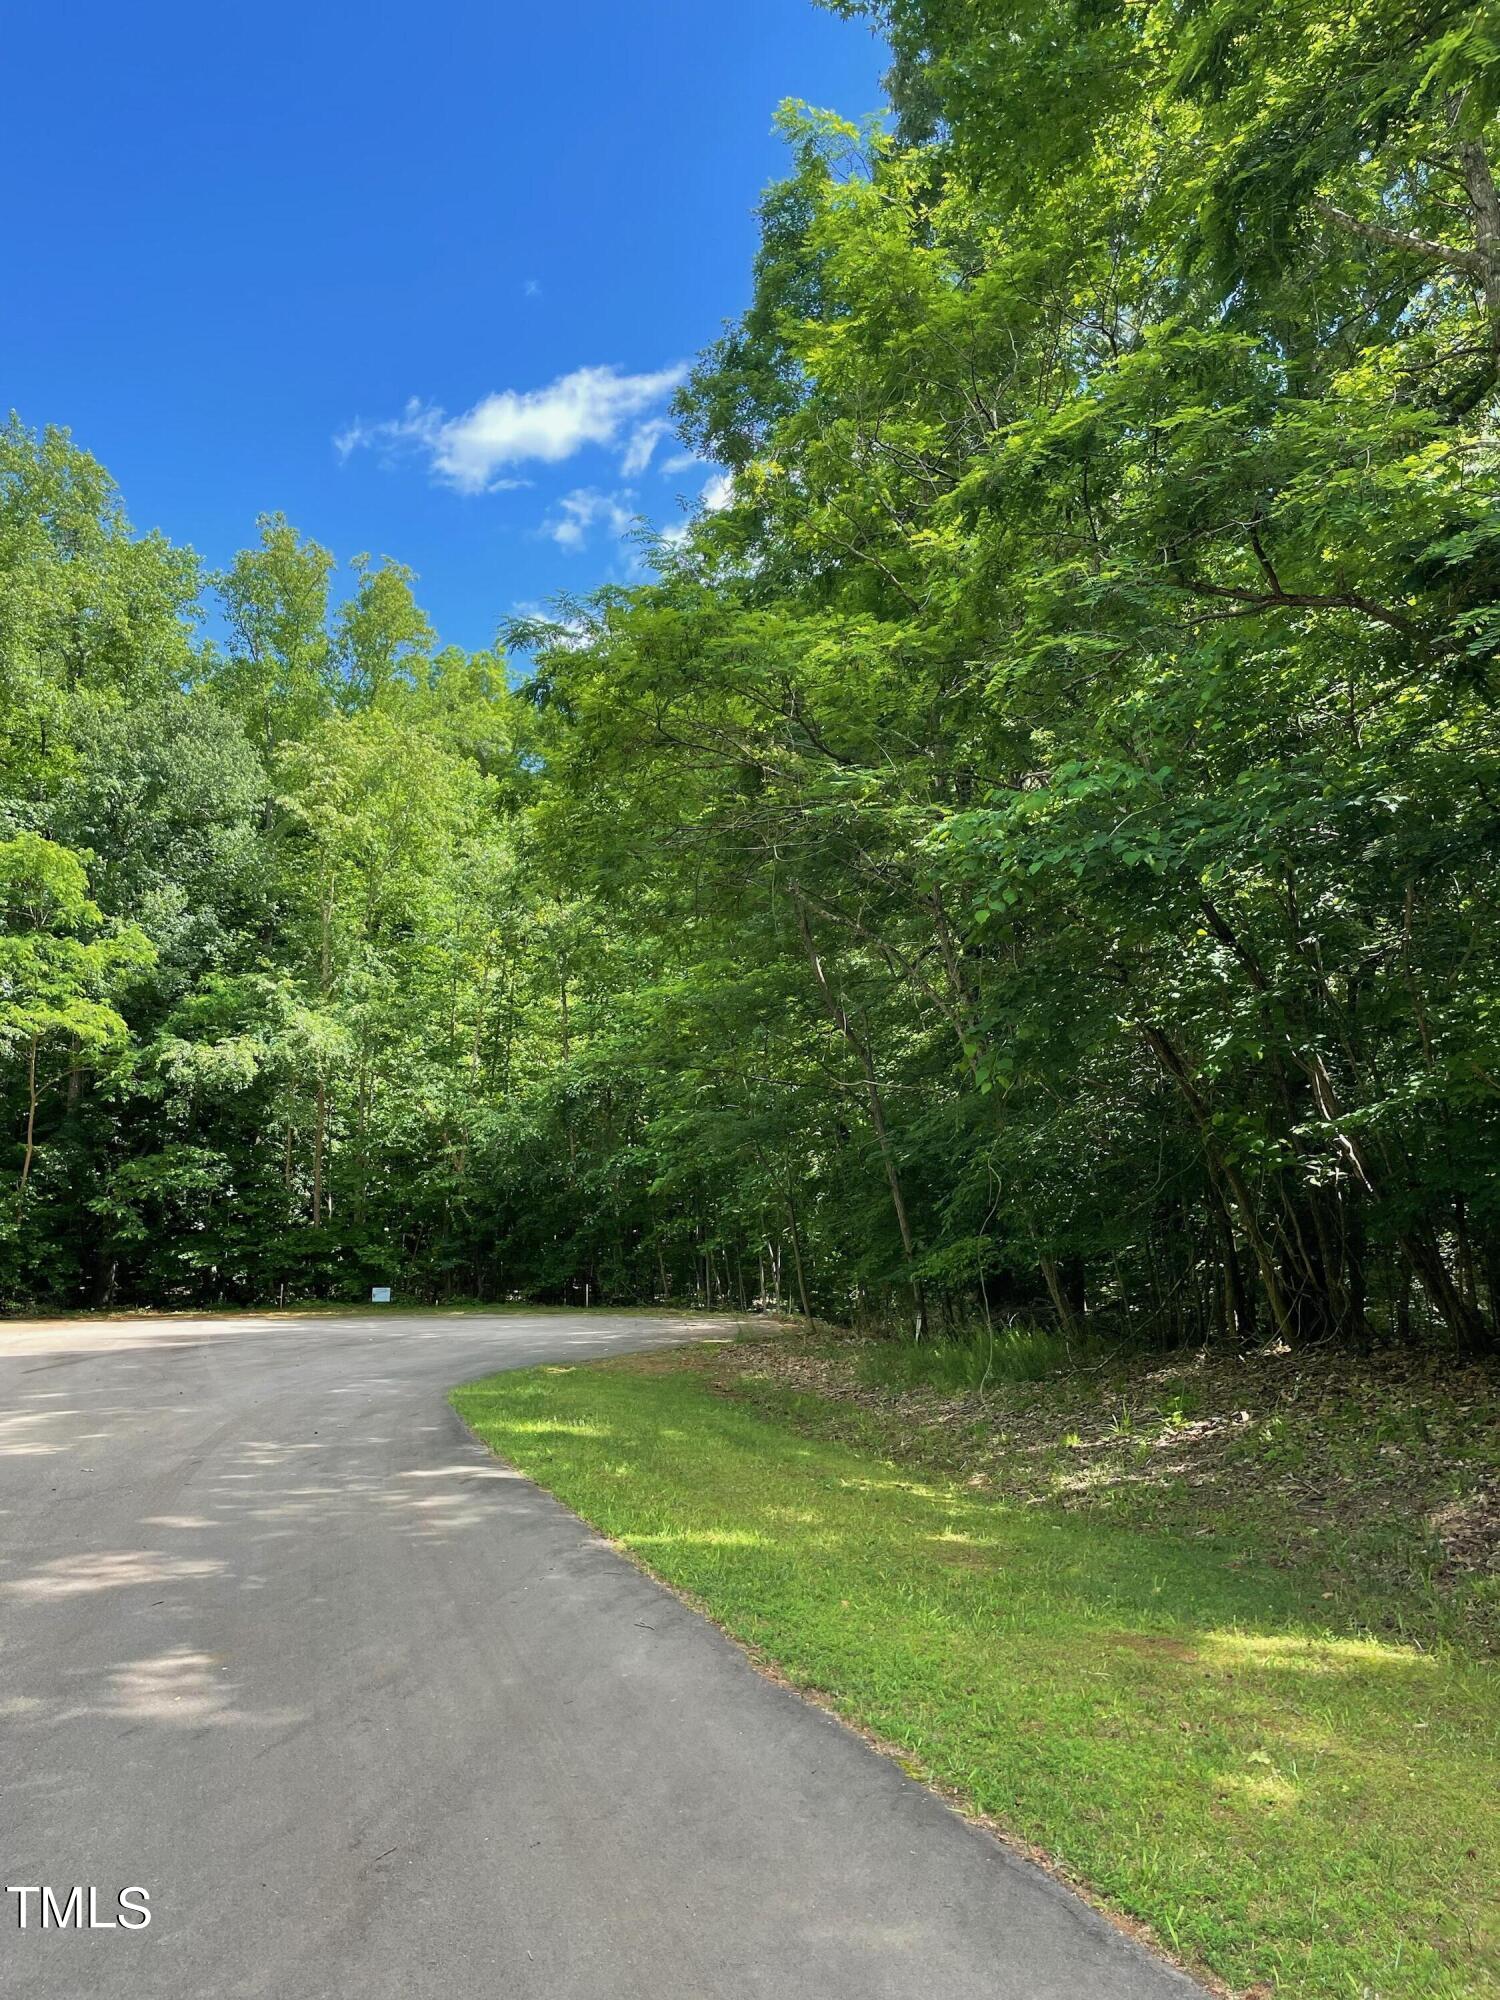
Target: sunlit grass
point(546, 1429)
point(1371, 1475)
point(1282, 1803)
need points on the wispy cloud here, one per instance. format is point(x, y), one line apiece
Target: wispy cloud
point(591, 406)
point(587, 508)
point(643, 442)
point(717, 494)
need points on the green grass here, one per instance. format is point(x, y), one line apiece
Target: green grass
point(1377, 1480)
point(1281, 1804)
point(1003, 1354)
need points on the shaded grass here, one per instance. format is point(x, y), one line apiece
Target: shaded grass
point(1379, 1478)
point(1003, 1354)
point(1280, 1803)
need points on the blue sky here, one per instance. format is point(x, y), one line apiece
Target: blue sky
point(418, 276)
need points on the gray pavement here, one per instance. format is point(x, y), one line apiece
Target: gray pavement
point(372, 1718)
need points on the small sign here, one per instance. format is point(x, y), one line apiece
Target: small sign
point(380, 1295)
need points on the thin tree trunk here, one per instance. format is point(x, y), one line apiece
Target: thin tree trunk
point(791, 1216)
point(1239, 1304)
point(1059, 1297)
point(1479, 184)
point(319, 1123)
point(1265, 1263)
point(31, 1097)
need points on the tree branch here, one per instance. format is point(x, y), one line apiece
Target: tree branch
point(1426, 247)
point(1309, 600)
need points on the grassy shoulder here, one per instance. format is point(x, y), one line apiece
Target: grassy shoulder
point(1181, 1727)
point(1376, 1480)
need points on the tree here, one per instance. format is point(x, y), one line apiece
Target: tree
point(61, 968)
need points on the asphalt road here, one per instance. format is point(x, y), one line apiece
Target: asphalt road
point(373, 1718)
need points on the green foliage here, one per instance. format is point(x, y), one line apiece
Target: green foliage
point(60, 965)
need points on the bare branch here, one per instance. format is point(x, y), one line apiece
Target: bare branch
point(1426, 247)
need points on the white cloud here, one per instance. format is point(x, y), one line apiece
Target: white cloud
point(586, 508)
point(643, 442)
point(512, 427)
point(715, 497)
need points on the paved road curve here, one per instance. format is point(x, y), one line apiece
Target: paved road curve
point(372, 1718)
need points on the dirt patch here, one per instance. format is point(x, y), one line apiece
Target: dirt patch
point(665, 1362)
point(1153, 1645)
point(1469, 1531)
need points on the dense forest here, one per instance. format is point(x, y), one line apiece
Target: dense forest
point(1031, 852)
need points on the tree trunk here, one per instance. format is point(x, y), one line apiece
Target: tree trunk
point(791, 1216)
point(31, 1096)
point(1479, 183)
point(319, 1126)
point(1265, 1263)
point(1061, 1304)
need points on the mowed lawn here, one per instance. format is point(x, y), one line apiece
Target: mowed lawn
point(1289, 1808)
